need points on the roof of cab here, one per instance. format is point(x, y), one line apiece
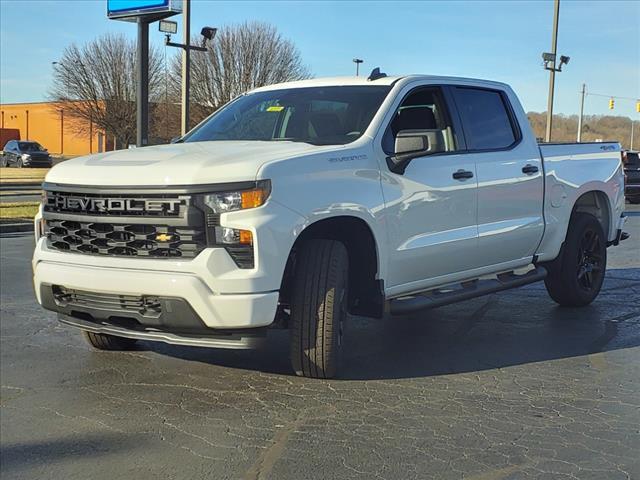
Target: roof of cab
point(329, 82)
point(349, 81)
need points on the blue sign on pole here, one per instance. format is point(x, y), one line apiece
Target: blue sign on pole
point(130, 9)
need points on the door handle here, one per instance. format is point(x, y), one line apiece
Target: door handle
point(529, 169)
point(462, 174)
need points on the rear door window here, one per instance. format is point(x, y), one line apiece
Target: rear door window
point(486, 120)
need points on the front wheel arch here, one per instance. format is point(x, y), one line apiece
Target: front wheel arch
point(366, 291)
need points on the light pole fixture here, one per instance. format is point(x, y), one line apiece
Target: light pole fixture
point(549, 60)
point(208, 33)
point(358, 61)
point(168, 26)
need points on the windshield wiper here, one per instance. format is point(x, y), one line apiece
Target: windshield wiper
point(297, 140)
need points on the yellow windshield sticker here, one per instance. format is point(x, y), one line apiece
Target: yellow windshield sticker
point(275, 108)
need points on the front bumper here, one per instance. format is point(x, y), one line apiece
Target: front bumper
point(215, 310)
point(237, 340)
point(37, 162)
point(224, 299)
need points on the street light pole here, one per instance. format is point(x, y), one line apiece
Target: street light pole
point(208, 33)
point(584, 88)
point(552, 72)
point(142, 87)
point(186, 65)
point(357, 61)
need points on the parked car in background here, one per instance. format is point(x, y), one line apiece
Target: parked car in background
point(24, 153)
point(631, 162)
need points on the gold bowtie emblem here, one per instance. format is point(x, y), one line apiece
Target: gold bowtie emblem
point(164, 237)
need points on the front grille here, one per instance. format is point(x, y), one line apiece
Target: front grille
point(147, 306)
point(125, 224)
point(116, 204)
point(125, 239)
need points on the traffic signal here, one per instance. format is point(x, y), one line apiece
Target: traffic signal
point(611, 103)
point(638, 106)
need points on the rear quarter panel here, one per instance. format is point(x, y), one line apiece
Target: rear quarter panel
point(572, 170)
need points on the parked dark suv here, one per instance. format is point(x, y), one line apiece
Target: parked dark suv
point(631, 176)
point(24, 153)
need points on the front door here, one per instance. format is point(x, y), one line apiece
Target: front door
point(430, 209)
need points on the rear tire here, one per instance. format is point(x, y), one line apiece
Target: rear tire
point(318, 308)
point(102, 341)
point(576, 276)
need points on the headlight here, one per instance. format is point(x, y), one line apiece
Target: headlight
point(25, 156)
point(223, 202)
point(237, 242)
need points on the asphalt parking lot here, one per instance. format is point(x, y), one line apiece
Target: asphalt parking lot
point(503, 387)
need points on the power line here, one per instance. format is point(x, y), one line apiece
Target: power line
point(612, 96)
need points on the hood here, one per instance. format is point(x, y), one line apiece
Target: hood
point(178, 163)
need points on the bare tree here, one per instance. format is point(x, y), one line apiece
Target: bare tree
point(240, 58)
point(96, 83)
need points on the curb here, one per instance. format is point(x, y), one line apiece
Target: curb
point(16, 227)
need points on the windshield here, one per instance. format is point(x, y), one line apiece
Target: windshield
point(29, 147)
point(317, 115)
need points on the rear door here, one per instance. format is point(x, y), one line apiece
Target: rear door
point(509, 173)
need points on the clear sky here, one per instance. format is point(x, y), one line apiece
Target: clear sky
point(500, 40)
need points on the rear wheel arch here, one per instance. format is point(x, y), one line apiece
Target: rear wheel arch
point(596, 203)
point(365, 290)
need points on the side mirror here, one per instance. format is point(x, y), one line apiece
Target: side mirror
point(409, 145)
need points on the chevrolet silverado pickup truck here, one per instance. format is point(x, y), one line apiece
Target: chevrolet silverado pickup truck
point(302, 204)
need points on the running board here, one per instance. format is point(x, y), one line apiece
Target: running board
point(467, 291)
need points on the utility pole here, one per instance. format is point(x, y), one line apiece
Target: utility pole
point(186, 65)
point(584, 88)
point(632, 125)
point(552, 74)
point(142, 83)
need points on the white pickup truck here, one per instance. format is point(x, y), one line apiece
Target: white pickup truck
point(297, 205)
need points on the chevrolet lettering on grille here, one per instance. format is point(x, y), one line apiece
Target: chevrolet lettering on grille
point(111, 205)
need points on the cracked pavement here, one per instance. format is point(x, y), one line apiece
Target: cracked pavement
point(508, 386)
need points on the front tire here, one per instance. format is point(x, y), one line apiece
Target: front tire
point(102, 341)
point(318, 308)
point(575, 278)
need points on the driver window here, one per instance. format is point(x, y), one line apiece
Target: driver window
point(423, 111)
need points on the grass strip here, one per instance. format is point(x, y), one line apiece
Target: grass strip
point(18, 210)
